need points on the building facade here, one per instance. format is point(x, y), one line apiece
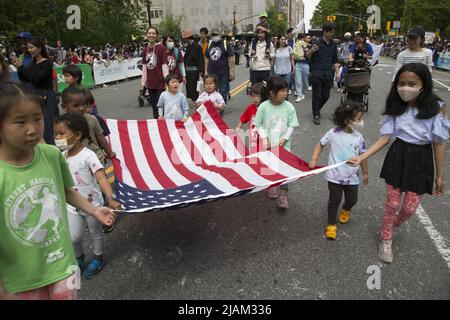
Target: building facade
point(218, 14)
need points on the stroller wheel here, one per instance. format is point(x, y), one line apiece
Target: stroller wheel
point(366, 103)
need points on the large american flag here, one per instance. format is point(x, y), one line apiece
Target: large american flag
point(164, 164)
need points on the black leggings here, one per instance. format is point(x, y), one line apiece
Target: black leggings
point(153, 95)
point(351, 198)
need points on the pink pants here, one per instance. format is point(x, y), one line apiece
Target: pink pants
point(410, 204)
point(62, 290)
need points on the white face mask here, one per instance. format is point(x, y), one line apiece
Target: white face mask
point(356, 125)
point(215, 38)
point(170, 45)
point(63, 145)
point(409, 93)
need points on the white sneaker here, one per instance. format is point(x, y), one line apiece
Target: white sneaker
point(385, 251)
point(309, 88)
point(300, 98)
point(290, 92)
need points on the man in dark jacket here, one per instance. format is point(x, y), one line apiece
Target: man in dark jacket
point(194, 64)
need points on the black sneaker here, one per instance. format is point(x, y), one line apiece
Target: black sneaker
point(316, 120)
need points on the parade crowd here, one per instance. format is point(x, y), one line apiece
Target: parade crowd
point(52, 155)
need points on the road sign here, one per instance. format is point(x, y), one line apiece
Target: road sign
point(396, 25)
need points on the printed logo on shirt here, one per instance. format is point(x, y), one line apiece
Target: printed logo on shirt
point(34, 213)
point(171, 63)
point(55, 256)
point(277, 128)
point(152, 60)
point(173, 112)
point(215, 53)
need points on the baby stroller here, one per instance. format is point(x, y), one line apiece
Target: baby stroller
point(142, 92)
point(357, 84)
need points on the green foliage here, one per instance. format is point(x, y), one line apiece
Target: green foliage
point(277, 26)
point(170, 25)
point(431, 14)
point(102, 21)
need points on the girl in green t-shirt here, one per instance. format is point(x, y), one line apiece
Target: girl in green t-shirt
point(275, 121)
point(36, 254)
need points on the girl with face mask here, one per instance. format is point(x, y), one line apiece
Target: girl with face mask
point(416, 118)
point(175, 59)
point(90, 181)
point(345, 142)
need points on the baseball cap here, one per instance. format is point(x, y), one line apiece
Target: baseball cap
point(24, 35)
point(417, 31)
point(215, 31)
point(263, 14)
point(187, 34)
point(348, 35)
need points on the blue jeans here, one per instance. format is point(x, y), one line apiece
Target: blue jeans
point(286, 77)
point(224, 88)
point(301, 77)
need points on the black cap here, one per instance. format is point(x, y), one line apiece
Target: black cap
point(417, 31)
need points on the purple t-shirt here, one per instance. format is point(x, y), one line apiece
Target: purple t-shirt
point(218, 59)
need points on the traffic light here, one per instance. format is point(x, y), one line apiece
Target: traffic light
point(331, 18)
point(388, 26)
point(280, 17)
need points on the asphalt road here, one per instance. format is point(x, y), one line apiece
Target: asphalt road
point(244, 248)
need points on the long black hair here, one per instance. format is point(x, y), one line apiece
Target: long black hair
point(427, 102)
point(38, 43)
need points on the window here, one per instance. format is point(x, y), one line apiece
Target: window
point(152, 15)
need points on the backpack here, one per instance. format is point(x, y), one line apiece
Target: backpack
point(299, 51)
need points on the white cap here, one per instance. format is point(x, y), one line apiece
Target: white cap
point(348, 35)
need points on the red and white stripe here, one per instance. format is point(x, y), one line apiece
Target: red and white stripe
point(163, 154)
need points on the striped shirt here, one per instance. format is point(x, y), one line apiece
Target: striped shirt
point(425, 56)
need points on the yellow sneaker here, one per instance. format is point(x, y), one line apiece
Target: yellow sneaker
point(344, 216)
point(331, 232)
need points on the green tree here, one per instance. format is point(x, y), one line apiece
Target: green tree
point(277, 26)
point(102, 21)
point(170, 25)
point(431, 14)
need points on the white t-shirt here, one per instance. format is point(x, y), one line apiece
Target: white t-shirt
point(283, 61)
point(344, 146)
point(83, 166)
point(424, 56)
point(215, 97)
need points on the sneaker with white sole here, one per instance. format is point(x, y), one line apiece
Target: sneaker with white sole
point(300, 98)
point(283, 202)
point(272, 193)
point(309, 88)
point(385, 251)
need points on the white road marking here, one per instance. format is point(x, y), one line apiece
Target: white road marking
point(441, 84)
point(441, 243)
